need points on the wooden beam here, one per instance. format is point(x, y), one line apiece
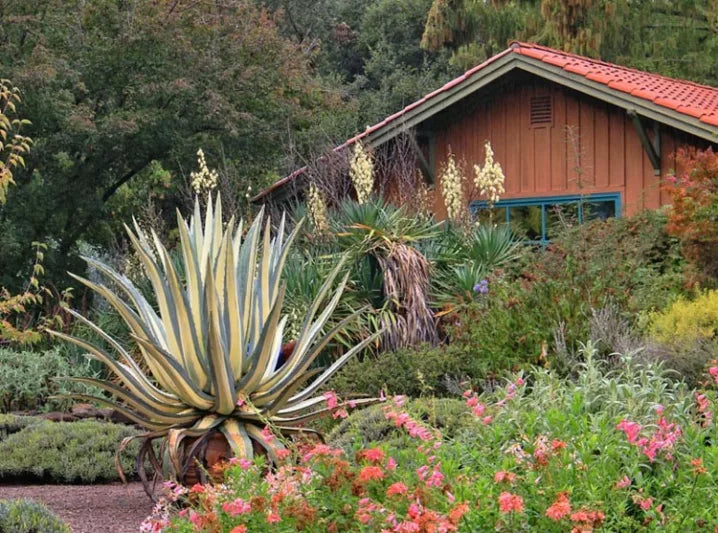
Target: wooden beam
point(424, 165)
point(652, 148)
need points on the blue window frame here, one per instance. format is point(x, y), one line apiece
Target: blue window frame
point(536, 218)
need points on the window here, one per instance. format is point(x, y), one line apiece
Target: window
point(538, 219)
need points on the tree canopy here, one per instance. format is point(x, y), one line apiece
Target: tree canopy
point(672, 37)
point(119, 92)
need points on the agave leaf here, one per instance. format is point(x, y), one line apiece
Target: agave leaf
point(302, 419)
point(271, 446)
point(262, 351)
point(289, 390)
point(301, 358)
point(163, 296)
point(221, 371)
point(143, 308)
point(271, 387)
point(236, 434)
point(136, 382)
point(136, 371)
point(133, 322)
point(329, 372)
point(129, 413)
point(246, 268)
point(176, 436)
point(181, 383)
point(166, 416)
point(233, 317)
point(192, 357)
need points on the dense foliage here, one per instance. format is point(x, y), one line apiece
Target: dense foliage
point(66, 452)
point(27, 516)
point(694, 214)
point(594, 281)
point(28, 379)
point(673, 38)
point(115, 126)
point(619, 451)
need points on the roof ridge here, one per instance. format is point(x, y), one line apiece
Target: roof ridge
point(526, 44)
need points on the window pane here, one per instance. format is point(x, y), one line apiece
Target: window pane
point(526, 221)
point(559, 216)
point(599, 209)
point(495, 215)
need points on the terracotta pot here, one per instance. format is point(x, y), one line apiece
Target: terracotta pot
point(211, 454)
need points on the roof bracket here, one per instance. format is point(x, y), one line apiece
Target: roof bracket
point(652, 147)
point(425, 166)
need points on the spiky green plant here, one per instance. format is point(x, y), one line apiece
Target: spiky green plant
point(213, 344)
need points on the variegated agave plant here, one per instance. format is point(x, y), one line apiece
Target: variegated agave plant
point(213, 344)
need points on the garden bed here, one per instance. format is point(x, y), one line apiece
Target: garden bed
point(90, 508)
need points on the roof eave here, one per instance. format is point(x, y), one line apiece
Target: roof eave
point(626, 101)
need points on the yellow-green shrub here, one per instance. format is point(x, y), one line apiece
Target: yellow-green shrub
point(687, 320)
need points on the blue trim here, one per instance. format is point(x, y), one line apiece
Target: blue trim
point(542, 201)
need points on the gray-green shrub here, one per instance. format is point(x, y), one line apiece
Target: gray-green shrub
point(27, 516)
point(369, 425)
point(10, 424)
point(66, 452)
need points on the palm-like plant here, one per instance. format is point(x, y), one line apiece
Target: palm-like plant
point(213, 344)
point(385, 238)
point(462, 263)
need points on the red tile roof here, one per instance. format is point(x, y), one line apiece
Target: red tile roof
point(691, 99)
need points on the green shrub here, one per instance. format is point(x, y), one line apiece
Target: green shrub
point(10, 424)
point(27, 516)
point(27, 380)
point(688, 361)
point(66, 452)
point(411, 372)
point(370, 425)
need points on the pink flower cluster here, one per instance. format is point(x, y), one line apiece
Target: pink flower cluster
point(713, 371)
point(402, 419)
point(479, 409)
point(662, 439)
point(704, 410)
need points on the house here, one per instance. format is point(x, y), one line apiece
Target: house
point(568, 130)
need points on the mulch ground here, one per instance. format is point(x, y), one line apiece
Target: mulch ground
point(113, 508)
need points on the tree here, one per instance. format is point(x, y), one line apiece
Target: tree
point(371, 47)
point(118, 91)
point(674, 38)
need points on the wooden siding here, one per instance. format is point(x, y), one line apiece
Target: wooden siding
point(589, 147)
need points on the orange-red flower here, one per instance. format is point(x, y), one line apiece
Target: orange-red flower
point(373, 455)
point(458, 512)
point(371, 473)
point(398, 488)
point(502, 476)
point(510, 503)
point(560, 508)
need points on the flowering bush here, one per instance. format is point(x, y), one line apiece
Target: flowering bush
point(361, 172)
point(622, 453)
point(686, 321)
point(452, 190)
point(490, 178)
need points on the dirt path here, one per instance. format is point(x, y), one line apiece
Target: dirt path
point(114, 508)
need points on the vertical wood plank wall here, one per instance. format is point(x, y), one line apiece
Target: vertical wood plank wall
point(590, 147)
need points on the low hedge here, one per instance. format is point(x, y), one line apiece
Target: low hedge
point(366, 426)
point(27, 516)
point(10, 424)
point(66, 452)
